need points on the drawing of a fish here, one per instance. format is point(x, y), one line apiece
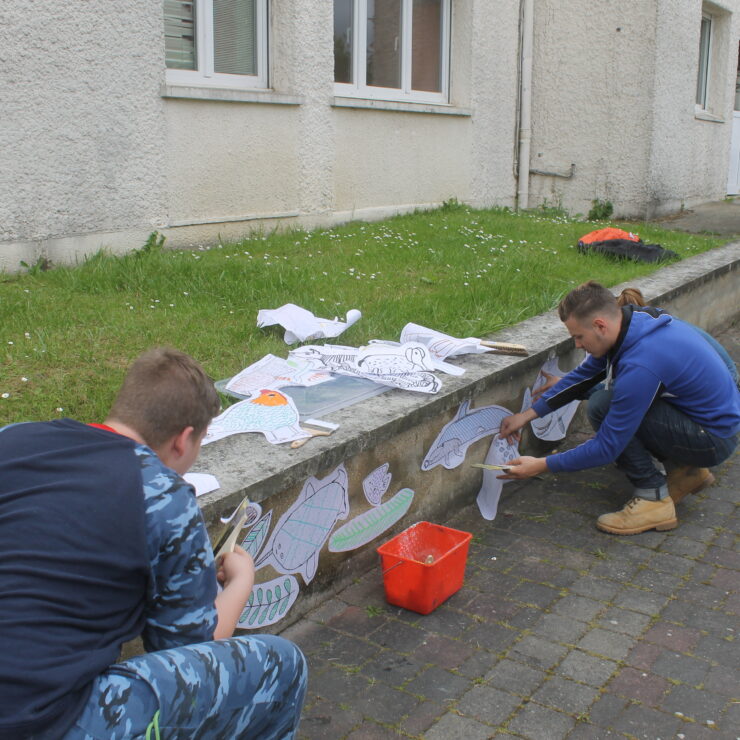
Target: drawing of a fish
point(302, 531)
point(467, 427)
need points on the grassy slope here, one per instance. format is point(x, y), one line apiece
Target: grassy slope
point(71, 331)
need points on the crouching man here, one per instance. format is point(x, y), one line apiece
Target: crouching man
point(103, 541)
point(666, 394)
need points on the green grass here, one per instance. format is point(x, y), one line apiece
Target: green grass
point(71, 331)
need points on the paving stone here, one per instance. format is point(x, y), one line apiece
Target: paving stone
point(383, 703)
point(678, 639)
point(681, 668)
point(492, 637)
point(391, 668)
point(309, 636)
point(524, 618)
point(607, 643)
point(644, 655)
point(698, 705)
point(445, 621)
point(723, 680)
point(586, 668)
point(588, 731)
point(726, 579)
point(637, 600)
point(644, 722)
point(695, 531)
point(453, 725)
point(398, 636)
point(540, 723)
point(349, 651)
point(478, 664)
point(492, 606)
point(544, 573)
point(725, 558)
point(600, 589)
point(664, 562)
point(578, 607)
point(356, 621)
point(537, 652)
point(663, 583)
point(368, 591)
point(619, 570)
point(340, 687)
point(443, 651)
point(725, 652)
point(558, 628)
point(535, 594)
point(372, 731)
point(641, 686)
point(327, 610)
point(325, 720)
point(684, 546)
point(515, 677)
point(488, 704)
point(565, 695)
point(439, 685)
point(701, 593)
point(625, 621)
point(606, 710)
point(422, 717)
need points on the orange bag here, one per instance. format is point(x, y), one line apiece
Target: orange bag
point(603, 235)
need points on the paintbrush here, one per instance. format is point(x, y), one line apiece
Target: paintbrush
point(505, 348)
point(316, 428)
point(246, 513)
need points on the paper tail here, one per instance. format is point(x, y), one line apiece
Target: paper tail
point(505, 348)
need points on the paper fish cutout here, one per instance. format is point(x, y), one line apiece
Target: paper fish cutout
point(499, 453)
point(298, 537)
point(376, 484)
point(271, 412)
point(467, 427)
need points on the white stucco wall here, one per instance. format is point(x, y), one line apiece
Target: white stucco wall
point(98, 151)
point(614, 92)
point(81, 134)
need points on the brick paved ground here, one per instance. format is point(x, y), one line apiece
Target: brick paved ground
point(560, 631)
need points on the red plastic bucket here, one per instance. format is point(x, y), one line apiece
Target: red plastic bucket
point(424, 565)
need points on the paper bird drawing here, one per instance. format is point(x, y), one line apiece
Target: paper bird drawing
point(499, 453)
point(300, 534)
point(271, 412)
point(376, 484)
point(468, 426)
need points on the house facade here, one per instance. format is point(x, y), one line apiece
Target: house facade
point(208, 119)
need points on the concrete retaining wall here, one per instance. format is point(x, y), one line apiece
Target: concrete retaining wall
point(398, 427)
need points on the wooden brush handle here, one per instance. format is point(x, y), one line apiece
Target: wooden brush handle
point(296, 443)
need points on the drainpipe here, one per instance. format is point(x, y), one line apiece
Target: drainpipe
point(525, 103)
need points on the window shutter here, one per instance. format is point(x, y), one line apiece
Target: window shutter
point(235, 37)
point(179, 34)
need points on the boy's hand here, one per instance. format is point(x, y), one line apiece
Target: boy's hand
point(511, 425)
point(524, 467)
point(237, 565)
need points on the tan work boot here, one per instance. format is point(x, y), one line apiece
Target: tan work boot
point(639, 515)
point(685, 480)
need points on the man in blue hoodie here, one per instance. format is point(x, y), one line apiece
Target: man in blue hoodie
point(666, 395)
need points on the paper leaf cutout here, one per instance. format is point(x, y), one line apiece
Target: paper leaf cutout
point(255, 538)
point(269, 602)
point(369, 525)
point(376, 484)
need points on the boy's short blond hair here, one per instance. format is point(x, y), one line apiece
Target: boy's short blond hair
point(164, 392)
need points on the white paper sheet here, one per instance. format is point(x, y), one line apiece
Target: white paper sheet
point(499, 453)
point(202, 482)
point(270, 412)
point(301, 325)
point(275, 372)
point(554, 426)
point(441, 345)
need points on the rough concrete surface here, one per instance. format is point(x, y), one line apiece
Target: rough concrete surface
point(560, 630)
point(718, 217)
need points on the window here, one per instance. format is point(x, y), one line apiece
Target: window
point(392, 49)
point(216, 42)
point(702, 81)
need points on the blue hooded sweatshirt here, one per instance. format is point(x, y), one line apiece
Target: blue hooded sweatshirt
point(653, 357)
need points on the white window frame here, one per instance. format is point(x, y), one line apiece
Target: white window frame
point(705, 70)
point(205, 76)
point(359, 89)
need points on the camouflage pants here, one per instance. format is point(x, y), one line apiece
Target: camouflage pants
point(244, 687)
